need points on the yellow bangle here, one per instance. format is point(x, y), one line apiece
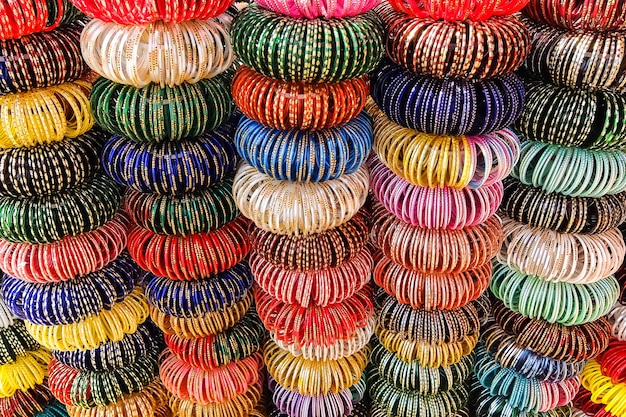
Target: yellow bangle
point(603, 391)
point(110, 325)
point(23, 374)
point(45, 115)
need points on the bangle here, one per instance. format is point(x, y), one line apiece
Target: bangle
point(573, 117)
point(157, 114)
point(68, 302)
point(603, 391)
point(583, 259)
point(160, 53)
point(313, 9)
point(26, 403)
point(316, 288)
point(15, 342)
point(613, 362)
point(549, 167)
point(324, 250)
point(109, 325)
point(458, 9)
point(466, 49)
point(447, 106)
point(584, 407)
point(25, 373)
point(21, 19)
point(7, 319)
point(337, 201)
point(584, 16)
point(110, 356)
point(210, 323)
point(68, 258)
point(554, 302)
point(281, 47)
point(431, 291)
point(440, 251)
point(428, 160)
point(304, 155)
point(41, 60)
point(376, 411)
point(557, 59)
point(188, 299)
point(292, 403)
point(190, 257)
point(54, 409)
point(293, 105)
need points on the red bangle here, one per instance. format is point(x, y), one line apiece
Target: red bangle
point(19, 18)
point(583, 402)
point(452, 10)
point(190, 257)
point(613, 361)
point(26, 403)
point(579, 15)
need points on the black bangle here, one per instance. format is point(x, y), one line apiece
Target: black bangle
point(15, 341)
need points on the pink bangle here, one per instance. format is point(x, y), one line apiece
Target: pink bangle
point(450, 208)
point(314, 9)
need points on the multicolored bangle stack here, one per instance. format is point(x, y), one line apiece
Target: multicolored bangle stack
point(554, 280)
point(304, 140)
point(441, 106)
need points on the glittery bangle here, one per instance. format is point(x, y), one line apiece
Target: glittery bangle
point(17, 20)
point(586, 15)
point(314, 9)
point(476, 10)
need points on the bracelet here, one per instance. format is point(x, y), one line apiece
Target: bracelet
point(110, 356)
point(458, 9)
point(613, 363)
point(452, 208)
point(440, 251)
point(15, 342)
point(210, 323)
point(41, 60)
point(160, 53)
point(281, 47)
point(109, 325)
point(25, 373)
point(603, 391)
point(54, 409)
point(584, 407)
point(293, 105)
point(21, 19)
point(190, 257)
point(7, 319)
point(188, 299)
point(68, 302)
point(324, 250)
point(618, 319)
point(583, 259)
point(466, 49)
point(549, 167)
point(585, 16)
point(446, 106)
point(376, 411)
point(337, 201)
point(313, 9)
point(304, 155)
point(157, 114)
point(573, 117)
point(316, 288)
point(68, 258)
point(431, 291)
point(292, 403)
point(26, 403)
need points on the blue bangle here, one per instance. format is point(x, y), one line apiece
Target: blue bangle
point(188, 299)
point(54, 409)
point(447, 106)
point(67, 302)
point(305, 155)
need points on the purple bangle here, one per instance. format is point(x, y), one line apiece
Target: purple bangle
point(295, 404)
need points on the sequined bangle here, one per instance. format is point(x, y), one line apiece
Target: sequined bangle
point(458, 9)
point(17, 20)
point(25, 373)
point(15, 341)
point(584, 16)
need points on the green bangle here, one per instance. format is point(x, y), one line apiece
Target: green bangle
point(305, 50)
point(47, 219)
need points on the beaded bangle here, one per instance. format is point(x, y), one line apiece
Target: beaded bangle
point(282, 47)
point(292, 403)
point(583, 259)
point(15, 342)
point(292, 324)
point(191, 257)
point(458, 9)
point(304, 155)
point(24, 18)
point(573, 117)
point(613, 361)
point(460, 49)
point(314, 9)
point(186, 215)
point(284, 106)
point(108, 325)
point(584, 16)
point(440, 251)
point(68, 258)
point(446, 106)
point(188, 299)
point(551, 168)
point(603, 391)
point(7, 319)
point(25, 373)
point(320, 288)
point(337, 201)
point(110, 356)
point(26, 403)
point(324, 250)
point(45, 115)
point(453, 208)
point(72, 301)
point(210, 323)
point(554, 302)
point(155, 114)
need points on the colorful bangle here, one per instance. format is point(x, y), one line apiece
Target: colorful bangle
point(284, 106)
point(573, 117)
point(584, 16)
point(25, 373)
point(68, 258)
point(21, 19)
point(292, 403)
point(304, 155)
point(157, 114)
point(583, 259)
point(15, 342)
point(320, 288)
point(466, 49)
point(549, 167)
point(337, 201)
point(54, 409)
point(458, 9)
point(376, 411)
point(584, 407)
point(446, 106)
point(281, 47)
point(26, 403)
point(7, 319)
point(313, 9)
point(613, 361)
point(603, 391)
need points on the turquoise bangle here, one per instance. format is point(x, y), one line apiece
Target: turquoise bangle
point(55, 409)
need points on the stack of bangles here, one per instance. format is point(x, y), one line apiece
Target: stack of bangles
point(585, 407)
point(26, 403)
point(604, 390)
point(314, 9)
point(18, 19)
point(579, 15)
point(25, 373)
point(455, 10)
